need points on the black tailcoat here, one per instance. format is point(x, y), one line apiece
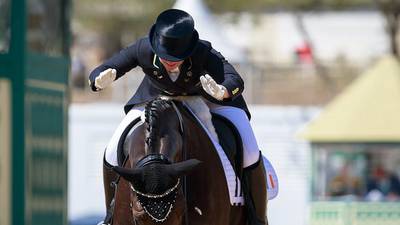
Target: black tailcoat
point(204, 60)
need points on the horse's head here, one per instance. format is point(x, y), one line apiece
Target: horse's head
point(155, 177)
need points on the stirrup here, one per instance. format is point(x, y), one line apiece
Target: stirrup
point(108, 219)
point(109, 214)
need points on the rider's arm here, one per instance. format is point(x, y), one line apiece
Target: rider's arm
point(224, 73)
point(122, 62)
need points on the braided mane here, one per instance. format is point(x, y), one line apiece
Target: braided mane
point(153, 112)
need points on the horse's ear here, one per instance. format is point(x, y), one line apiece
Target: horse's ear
point(129, 174)
point(182, 168)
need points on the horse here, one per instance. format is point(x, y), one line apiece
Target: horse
point(172, 174)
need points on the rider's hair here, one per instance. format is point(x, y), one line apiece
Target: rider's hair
point(153, 110)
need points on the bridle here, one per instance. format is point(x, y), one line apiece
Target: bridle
point(159, 206)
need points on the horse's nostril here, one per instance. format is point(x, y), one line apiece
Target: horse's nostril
point(139, 206)
point(137, 209)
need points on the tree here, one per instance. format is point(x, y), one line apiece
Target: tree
point(116, 20)
point(265, 5)
point(391, 11)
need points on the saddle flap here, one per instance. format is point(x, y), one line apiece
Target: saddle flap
point(230, 140)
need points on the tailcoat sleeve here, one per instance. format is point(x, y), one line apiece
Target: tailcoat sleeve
point(122, 62)
point(223, 73)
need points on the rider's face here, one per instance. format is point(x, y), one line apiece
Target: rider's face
point(170, 65)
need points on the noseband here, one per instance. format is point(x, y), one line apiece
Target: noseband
point(152, 158)
point(159, 206)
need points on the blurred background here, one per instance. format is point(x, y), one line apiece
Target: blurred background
point(322, 79)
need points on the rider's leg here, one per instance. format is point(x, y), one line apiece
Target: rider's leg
point(254, 178)
point(110, 159)
point(109, 176)
point(255, 192)
point(239, 118)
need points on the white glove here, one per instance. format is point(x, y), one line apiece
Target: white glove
point(105, 78)
point(212, 88)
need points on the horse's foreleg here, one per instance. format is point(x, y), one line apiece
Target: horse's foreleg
point(237, 215)
point(122, 211)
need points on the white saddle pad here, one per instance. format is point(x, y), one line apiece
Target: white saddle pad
point(272, 179)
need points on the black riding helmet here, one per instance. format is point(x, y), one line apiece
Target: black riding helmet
point(173, 36)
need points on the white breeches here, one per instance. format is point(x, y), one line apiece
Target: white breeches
point(111, 149)
point(236, 115)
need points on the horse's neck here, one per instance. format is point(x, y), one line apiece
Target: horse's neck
point(137, 145)
point(197, 142)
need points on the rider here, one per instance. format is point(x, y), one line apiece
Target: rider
point(177, 63)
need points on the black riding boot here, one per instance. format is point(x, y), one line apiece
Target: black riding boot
point(109, 176)
point(255, 193)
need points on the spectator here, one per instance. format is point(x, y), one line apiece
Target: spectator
point(384, 182)
point(345, 184)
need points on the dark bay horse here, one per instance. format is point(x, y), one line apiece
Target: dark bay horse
point(170, 155)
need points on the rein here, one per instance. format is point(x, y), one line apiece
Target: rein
point(184, 157)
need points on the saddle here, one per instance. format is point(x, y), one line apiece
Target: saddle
point(228, 135)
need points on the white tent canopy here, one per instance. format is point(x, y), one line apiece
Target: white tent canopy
point(209, 29)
